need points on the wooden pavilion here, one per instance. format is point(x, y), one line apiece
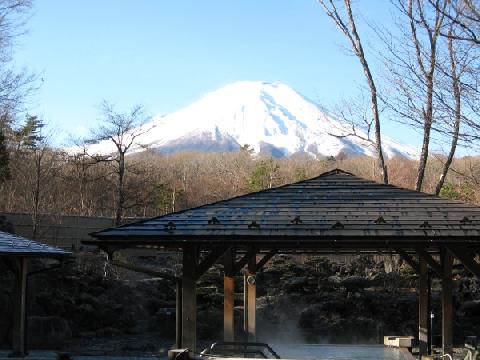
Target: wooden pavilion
point(15, 252)
point(336, 212)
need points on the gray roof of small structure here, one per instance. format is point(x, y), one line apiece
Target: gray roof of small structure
point(333, 207)
point(12, 245)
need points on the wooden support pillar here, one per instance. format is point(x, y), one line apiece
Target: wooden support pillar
point(228, 296)
point(189, 298)
point(178, 314)
point(245, 306)
point(251, 299)
point(19, 308)
point(447, 312)
point(423, 315)
point(430, 313)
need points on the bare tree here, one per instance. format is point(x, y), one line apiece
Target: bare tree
point(464, 16)
point(15, 85)
point(41, 164)
point(40, 160)
point(79, 170)
point(412, 62)
point(461, 65)
point(123, 131)
point(426, 57)
point(357, 122)
point(346, 24)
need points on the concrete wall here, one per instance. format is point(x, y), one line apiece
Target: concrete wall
point(62, 231)
point(68, 231)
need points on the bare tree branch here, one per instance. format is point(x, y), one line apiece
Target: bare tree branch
point(123, 130)
point(350, 31)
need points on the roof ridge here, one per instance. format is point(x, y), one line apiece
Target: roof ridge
point(335, 171)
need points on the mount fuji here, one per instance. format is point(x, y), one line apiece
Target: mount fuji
point(270, 117)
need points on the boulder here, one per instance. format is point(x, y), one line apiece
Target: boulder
point(296, 284)
point(355, 283)
point(164, 322)
point(48, 332)
point(210, 323)
point(108, 332)
point(472, 308)
point(5, 320)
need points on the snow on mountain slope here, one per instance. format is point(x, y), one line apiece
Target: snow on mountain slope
point(270, 117)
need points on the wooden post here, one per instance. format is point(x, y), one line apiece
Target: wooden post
point(189, 298)
point(228, 296)
point(252, 299)
point(19, 308)
point(423, 308)
point(430, 313)
point(447, 313)
point(228, 308)
point(178, 315)
point(245, 306)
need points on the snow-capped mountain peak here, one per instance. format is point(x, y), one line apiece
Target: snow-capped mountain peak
point(270, 117)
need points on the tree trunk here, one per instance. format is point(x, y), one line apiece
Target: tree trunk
point(36, 193)
point(173, 199)
point(357, 45)
point(428, 74)
point(458, 117)
point(422, 163)
point(120, 190)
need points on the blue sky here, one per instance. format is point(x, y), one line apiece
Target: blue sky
point(165, 54)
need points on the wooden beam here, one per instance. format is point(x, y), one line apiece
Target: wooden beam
point(408, 259)
point(178, 314)
point(430, 261)
point(144, 270)
point(429, 311)
point(251, 300)
point(189, 298)
point(228, 296)
point(423, 308)
point(467, 260)
point(447, 312)
point(211, 259)
point(19, 309)
point(244, 260)
point(265, 259)
point(245, 306)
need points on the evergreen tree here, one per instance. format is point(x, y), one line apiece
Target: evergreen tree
point(28, 136)
point(300, 173)
point(264, 175)
point(247, 149)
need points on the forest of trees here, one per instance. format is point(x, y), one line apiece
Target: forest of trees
point(47, 181)
point(423, 74)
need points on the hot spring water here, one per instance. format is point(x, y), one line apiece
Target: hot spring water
point(338, 352)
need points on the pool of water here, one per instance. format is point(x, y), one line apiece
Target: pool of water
point(338, 352)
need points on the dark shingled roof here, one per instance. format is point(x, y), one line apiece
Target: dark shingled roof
point(335, 206)
point(12, 245)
